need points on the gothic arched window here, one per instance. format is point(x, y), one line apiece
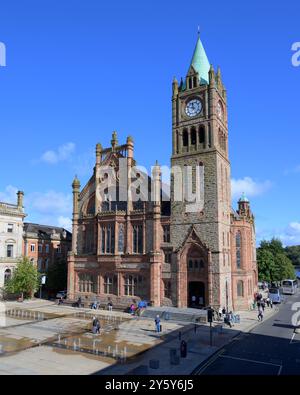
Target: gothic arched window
point(240, 288)
point(138, 239)
point(193, 136)
point(201, 135)
point(209, 137)
point(238, 245)
point(195, 82)
point(108, 239)
point(91, 206)
point(185, 138)
point(121, 238)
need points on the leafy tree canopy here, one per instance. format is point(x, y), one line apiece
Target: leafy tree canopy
point(25, 279)
point(273, 262)
point(293, 253)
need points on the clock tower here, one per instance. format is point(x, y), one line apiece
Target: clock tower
point(200, 187)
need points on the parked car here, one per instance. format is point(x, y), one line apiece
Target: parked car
point(275, 295)
point(61, 295)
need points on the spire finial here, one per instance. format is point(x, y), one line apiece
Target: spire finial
point(198, 31)
point(114, 140)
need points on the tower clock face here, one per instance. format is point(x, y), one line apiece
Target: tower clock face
point(193, 108)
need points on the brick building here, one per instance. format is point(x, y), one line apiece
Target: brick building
point(44, 245)
point(136, 244)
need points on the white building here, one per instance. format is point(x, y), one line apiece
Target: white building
point(11, 237)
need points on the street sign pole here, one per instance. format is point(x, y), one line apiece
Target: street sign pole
point(210, 325)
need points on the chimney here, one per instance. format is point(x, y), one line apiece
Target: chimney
point(20, 195)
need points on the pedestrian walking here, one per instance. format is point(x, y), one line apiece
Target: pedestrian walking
point(260, 313)
point(94, 325)
point(110, 306)
point(227, 320)
point(220, 312)
point(157, 324)
point(98, 326)
point(231, 318)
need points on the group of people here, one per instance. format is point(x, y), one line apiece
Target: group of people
point(137, 309)
point(261, 305)
point(200, 301)
point(96, 305)
point(228, 317)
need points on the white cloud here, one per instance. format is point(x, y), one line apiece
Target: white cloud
point(50, 202)
point(64, 222)
point(63, 153)
point(49, 208)
point(9, 195)
point(290, 235)
point(46, 208)
point(249, 186)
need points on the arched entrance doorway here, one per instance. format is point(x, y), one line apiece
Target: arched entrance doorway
point(196, 294)
point(194, 282)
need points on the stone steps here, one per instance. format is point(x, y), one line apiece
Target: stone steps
point(174, 314)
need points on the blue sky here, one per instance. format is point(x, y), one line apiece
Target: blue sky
point(77, 70)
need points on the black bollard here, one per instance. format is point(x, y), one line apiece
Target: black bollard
point(183, 349)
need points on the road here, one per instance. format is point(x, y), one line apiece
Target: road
point(271, 348)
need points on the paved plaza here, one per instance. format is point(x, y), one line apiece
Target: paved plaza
point(39, 337)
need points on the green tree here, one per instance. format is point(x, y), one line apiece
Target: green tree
point(284, 267)
point(25, 279)
point(274, 246)
point(293, 253)
point(273, 262)
point(266, 265)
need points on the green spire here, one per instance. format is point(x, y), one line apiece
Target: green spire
point(200, 63)
point(244, 198)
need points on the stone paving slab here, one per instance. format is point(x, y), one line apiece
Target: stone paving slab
point(43, 360)
point(198, 343)
point(137, 335)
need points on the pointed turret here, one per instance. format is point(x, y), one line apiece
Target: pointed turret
point(212, 76)
point(244, 206)
point(114, 140)
point(175, 87)
point(76, 183)
point(200, 63)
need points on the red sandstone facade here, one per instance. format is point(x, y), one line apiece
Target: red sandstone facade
point(167, 251)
